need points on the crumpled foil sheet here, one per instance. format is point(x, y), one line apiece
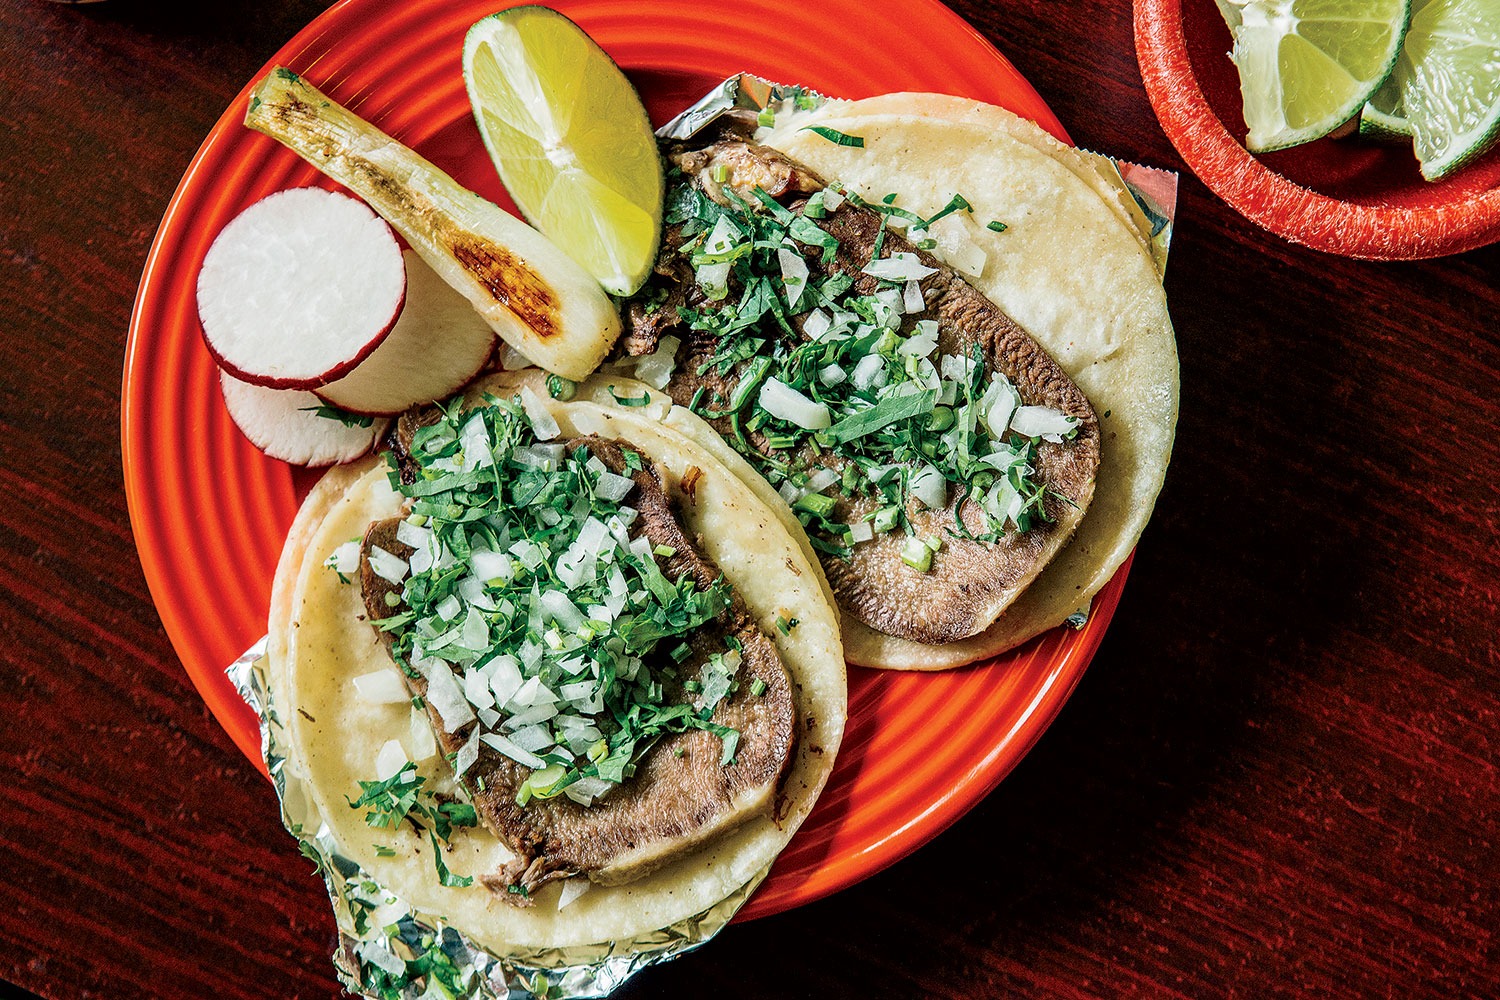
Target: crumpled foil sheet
point(380, 937)
point(1154, 190)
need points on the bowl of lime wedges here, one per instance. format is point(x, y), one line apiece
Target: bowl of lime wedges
point(1365, 128)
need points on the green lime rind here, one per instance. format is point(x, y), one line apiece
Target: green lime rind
point(570, 139)
point(1382, 118)
point(1309, 66)
point(1449, 76)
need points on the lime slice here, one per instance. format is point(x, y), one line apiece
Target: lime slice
point(1308, 66)
point(570, 138)
point(1382, 119)
point(1449, 75)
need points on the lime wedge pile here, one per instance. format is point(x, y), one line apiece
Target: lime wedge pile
point(1425, 69)
point(570, 138)
point(1308, 66)
point(1449, 81)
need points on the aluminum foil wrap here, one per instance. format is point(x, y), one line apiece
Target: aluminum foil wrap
point(1154, 191)
point(387, 950)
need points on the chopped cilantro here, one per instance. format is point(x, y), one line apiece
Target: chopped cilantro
point(834, 135)
point(571, 605)
point(342, 416)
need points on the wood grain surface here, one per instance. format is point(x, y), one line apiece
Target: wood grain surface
point(1278, 778)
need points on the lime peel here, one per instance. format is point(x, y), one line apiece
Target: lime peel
point(1308, 66)
point(570, 139)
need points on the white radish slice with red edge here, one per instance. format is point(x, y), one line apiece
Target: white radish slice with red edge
point(299, 288)
point(284, 423)
point(438, 345)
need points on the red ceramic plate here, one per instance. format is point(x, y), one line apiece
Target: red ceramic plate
point(1348, 197)
point(210, 512)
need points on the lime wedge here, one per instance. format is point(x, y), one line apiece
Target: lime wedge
point(1382, 119)
point(1449, 77)
point(1308, 66)
point(570, 138)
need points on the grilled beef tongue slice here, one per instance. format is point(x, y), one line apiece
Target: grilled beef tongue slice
point(673, 803)
point(970, 582)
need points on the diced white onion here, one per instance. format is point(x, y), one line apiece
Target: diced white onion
point(533, 693)
point(722, 238)
point(954, 246)
point(890, 306)
point(474, 440)
point(997, 404)
point(821, 480)
point(489, 565)
point(467, 754)
point(832, 375)
point(586, 791)
point(543, 424)
point(817, 323)
point(832, 198)
point(655, 369)
point(381, 687)
point(782, 401)
point(546, 457)
point(534, 738)
point(345, 558)
point(793, 274)
point(388, 567)
point(562, 610)
point(957, 367)
point(903, 266)
point(911, 296)
point(928, 485)
point(869, 373)
point(714, 279)
point(573, 887)
point(537, 713)
point(390, 761)
point(423, 743)
point(512, 359)
point(1042, 421)
point(922, 342)
point(449, 607)
point(413, 536)
point(477, 689)
point(612, 487)
point(447, 697)
point(512, 751)
point(861, 531)
point(789, 493)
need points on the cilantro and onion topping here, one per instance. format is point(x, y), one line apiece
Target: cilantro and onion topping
point(839, 393)
point(542, 627)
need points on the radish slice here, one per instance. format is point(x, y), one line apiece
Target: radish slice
point(438, 345)
point(283, 424)
point(299, 288)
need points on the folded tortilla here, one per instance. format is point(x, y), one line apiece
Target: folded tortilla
point(1072, 267)
point(320, 641)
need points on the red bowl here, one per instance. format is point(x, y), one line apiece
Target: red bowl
point(1341, 196)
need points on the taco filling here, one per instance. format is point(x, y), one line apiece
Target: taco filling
point(936, 455)
point(605, 698)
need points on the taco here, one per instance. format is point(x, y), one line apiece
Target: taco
point(969, 297)
point(630, 682)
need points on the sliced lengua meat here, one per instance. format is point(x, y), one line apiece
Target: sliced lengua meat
point(681, 796)
point(971, 582)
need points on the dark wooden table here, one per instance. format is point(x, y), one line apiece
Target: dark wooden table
point(1279, 776)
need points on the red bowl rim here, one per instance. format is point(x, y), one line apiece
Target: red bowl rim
point(1294, 212)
